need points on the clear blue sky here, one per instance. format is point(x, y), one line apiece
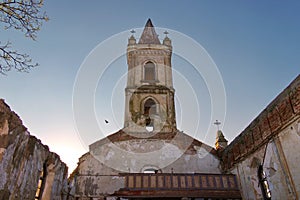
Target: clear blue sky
point(255, 45)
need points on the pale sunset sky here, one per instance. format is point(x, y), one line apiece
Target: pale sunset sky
point(255, 46)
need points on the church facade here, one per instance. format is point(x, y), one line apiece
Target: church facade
point(149, 158)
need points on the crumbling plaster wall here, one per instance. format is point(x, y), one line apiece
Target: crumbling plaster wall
point(136, 154)
point(97, 171)
point(289, 151)
point(281, 165)
point(94, 179)
point(22, 159)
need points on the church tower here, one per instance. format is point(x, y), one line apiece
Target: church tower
point(149, 101)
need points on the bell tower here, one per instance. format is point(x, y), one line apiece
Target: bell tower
point(149, 100)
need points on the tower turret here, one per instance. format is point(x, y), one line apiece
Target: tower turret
point(221, 142)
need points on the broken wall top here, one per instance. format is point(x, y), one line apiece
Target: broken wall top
point(282, 111)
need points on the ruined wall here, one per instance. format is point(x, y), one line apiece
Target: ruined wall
point(26, 165)
point(94, 179)
point(273, 139)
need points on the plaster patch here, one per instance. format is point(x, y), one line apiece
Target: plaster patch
point(187, 158)
point(201, 152)
point(272, 167)
point(133, 162)
point(109, 155)
point(171, 151)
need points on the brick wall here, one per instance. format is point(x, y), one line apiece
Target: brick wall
point(283, 110)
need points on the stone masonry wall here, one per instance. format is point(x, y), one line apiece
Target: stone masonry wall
point(27, 165)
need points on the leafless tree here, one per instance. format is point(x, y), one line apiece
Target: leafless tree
point(23, 15)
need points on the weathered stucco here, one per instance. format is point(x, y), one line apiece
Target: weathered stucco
point(289, 139)
point(22, 159)
point(119, 153)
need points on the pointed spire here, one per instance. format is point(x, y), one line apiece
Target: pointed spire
point(149, 23)
point(149, 35)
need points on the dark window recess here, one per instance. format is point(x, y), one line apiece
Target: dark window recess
point(149, 109)
point(41, 183)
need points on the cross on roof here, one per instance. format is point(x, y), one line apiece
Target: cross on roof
point(217, 123)
point(132, 31)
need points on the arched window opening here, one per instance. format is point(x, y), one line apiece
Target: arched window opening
point(149, 71)
point(149, 109)
point(263, 183)
point(41, 183)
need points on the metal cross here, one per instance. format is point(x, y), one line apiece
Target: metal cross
point(217, 123)
point(132, 31)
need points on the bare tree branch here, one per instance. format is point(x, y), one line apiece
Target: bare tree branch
point(23, 15)
point(11, 59)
